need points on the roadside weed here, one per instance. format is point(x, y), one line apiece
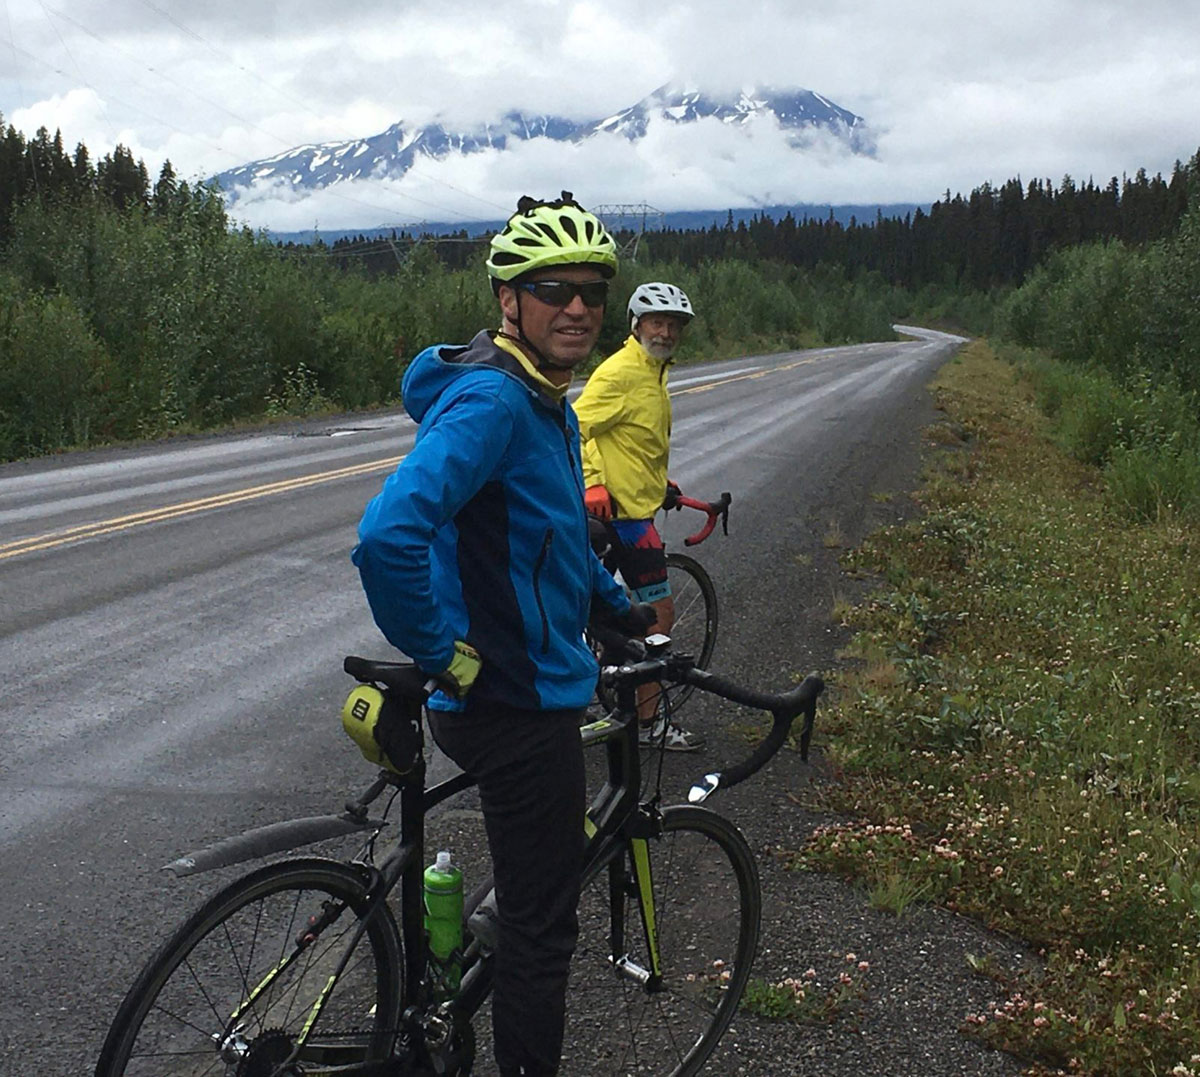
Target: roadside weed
point(810, 998)
point(896, 891)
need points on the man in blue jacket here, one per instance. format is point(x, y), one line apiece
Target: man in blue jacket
point(476, 563)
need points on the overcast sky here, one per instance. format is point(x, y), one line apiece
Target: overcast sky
point(956, 93)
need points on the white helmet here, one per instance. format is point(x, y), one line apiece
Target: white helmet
point(659, 298)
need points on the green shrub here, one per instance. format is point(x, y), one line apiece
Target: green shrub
point(1151, 482)
point(55, 377)
point(1096, 418)
point(198, 326)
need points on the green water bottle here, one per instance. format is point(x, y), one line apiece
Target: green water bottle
point(443, 919)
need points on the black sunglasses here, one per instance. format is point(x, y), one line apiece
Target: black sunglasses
point(560, 293)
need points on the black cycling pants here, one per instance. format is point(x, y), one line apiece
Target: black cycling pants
point(529, 766)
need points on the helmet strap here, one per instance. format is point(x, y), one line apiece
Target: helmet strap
point(540, 361)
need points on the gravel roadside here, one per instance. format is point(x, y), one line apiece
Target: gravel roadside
point(919, 986)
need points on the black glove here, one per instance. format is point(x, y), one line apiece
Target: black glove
point(671, 498)
point(638, 618)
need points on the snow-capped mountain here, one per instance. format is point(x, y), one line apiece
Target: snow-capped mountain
point(799, 113)
point(390, 153)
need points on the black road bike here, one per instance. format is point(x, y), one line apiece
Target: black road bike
point(313, 966)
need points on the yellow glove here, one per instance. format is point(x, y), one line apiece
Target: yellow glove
point(464, 667)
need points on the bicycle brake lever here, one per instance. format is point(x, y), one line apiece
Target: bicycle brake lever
point(704, 788)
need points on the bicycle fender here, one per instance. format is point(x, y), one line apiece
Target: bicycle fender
point(265, 840)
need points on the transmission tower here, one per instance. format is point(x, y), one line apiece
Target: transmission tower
point(629, 217)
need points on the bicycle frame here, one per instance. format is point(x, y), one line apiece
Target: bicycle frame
point(614, 818)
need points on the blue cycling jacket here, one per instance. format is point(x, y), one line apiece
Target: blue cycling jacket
point(480, 533)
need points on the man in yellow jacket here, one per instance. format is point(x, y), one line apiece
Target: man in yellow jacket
point(625, 425)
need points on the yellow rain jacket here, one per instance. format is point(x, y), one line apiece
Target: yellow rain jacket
point(625, 426)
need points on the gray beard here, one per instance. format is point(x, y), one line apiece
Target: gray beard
point(659, 351)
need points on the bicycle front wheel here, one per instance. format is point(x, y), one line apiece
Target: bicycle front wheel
point(623, 1017)
point(266, 977)
point(695, 628)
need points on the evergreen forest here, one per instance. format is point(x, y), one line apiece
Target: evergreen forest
point(134, 309)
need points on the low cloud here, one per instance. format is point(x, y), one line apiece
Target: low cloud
point(1093, 88)
point(707, 164)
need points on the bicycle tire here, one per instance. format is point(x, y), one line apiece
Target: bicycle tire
point(708, 904)
point(695, 628)
point(206, 989)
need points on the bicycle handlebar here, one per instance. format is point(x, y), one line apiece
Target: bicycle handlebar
point(713, 509)
point(785, 707)
point(646, 664)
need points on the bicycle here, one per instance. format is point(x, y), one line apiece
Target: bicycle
point(694, 595)
point(300, 967)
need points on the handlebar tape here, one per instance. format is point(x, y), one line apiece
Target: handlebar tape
point(720, 508)
point(784, 708)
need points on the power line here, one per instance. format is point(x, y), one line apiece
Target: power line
point(387, 210)
point(113, 98)
point(379, 246)
point(301, 104)
point(8, 19)
point(227, 58)
point(157, 73)
point(191, 94)
point(78, 70)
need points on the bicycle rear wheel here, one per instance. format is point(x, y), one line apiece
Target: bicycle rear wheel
point(707, 909)
point(695, 628)
point(249, 983)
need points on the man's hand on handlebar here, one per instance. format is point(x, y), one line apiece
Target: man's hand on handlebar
point(616, 630)
point(637, 619)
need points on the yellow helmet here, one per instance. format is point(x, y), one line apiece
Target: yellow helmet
point(542, 234)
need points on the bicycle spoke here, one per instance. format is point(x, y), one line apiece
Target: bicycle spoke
point(235, 991)
point(706, 903)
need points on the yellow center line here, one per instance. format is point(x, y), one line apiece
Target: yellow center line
point(186, 508)
point(741, 377)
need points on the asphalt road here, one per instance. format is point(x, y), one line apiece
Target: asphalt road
point(173, 619)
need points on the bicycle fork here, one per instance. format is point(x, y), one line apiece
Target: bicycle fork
point(642, 888)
